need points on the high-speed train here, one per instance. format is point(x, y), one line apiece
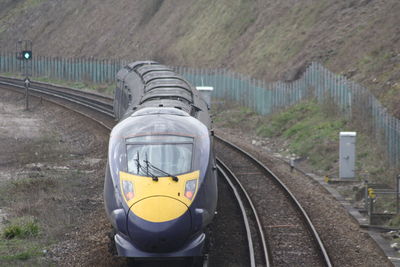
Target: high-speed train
point(160, 188)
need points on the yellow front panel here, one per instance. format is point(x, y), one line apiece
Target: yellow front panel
point(159, 209)
point(170, 202)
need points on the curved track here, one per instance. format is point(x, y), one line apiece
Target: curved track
point(92, 105)
point(291, 237)
point(257, 246)
point(91, 100)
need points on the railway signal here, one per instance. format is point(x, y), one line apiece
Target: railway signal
point(27, 54)
point(23, 51)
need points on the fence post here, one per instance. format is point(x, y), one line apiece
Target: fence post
point(370, 209)
point(397, 143)
point(96, 64)
point(366, 203)
point(2, 56)
point(73, 63)
point(69, 64)
point(6, 63)
point(397, 194)
point(255, 94)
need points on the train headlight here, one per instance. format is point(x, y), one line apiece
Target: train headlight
point(127, 190)
point(190, 188)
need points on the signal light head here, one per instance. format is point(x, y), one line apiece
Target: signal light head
point(27, 54)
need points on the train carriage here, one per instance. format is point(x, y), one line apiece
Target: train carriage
point(160, 186)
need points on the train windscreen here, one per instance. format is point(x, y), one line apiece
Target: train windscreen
point(157, 155)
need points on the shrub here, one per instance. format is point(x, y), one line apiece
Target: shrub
point(21, 229)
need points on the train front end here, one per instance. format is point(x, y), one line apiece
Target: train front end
point(160, 189)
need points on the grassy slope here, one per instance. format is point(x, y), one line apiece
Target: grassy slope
point(310, 131)
point(216, 26)
point(270, 40)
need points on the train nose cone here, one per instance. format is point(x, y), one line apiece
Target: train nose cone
point(159, 224)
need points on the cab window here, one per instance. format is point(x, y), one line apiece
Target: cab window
point(170, 154)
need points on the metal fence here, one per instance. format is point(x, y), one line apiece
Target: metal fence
point(69, 69)
point(266, 98)
point(354, 101)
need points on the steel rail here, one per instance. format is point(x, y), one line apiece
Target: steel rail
point(56, 86)
point(320, 246)
point(102, 101)
point(74, 98)
point(231, 178)
point(243, 211)
point(205, 262)
point(75, 95)
point(40, 95)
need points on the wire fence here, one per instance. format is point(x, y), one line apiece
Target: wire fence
point(353, 101)
point(69, 69)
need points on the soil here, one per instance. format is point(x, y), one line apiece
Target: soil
point(61, 157)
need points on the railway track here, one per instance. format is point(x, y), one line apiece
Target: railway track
point(92, 100)
point(89, 104)
point(257, 247)
point(291, 237)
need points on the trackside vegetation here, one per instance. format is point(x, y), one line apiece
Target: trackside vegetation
point(19, 241)
point(310, 132)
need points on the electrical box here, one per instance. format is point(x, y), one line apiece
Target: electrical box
point(205, 92)
point(347, 155)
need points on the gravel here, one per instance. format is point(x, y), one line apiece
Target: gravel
point(347, 244)
point(87, 244)
point(227, 242)
point(288, 238)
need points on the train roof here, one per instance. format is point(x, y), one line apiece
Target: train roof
point(162, 87)
point(148, 84)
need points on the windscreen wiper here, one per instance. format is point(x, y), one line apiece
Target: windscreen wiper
point(148, 163)
point(145, 171)
point(138, 162)
point(154, 177)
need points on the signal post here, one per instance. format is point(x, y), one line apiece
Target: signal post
point(24, 53)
